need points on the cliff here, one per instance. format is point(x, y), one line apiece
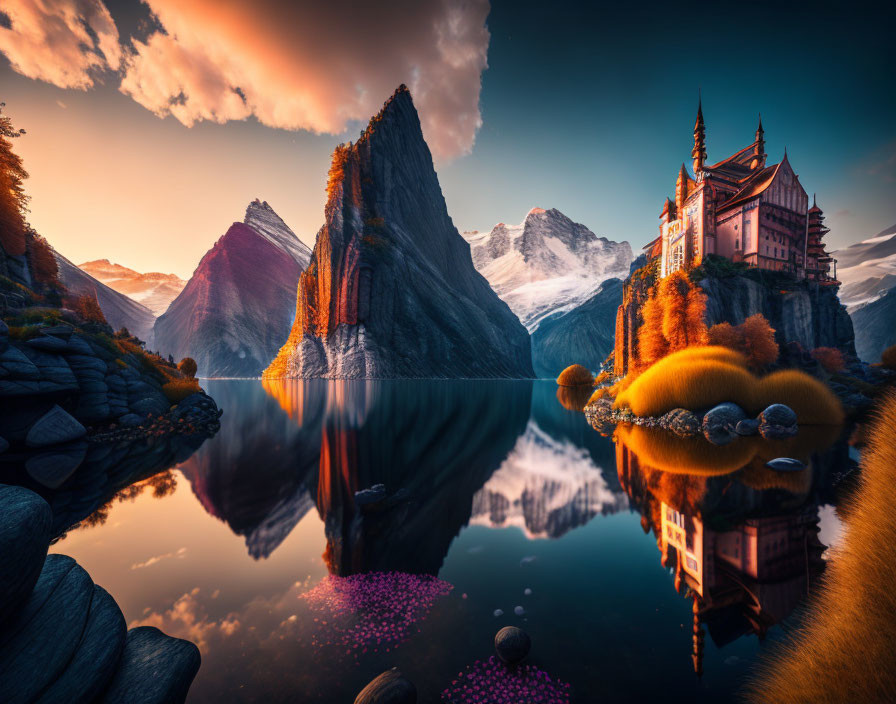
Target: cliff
point(235, 312)
point(391, 290)
point(799, 311)
point(875, 325)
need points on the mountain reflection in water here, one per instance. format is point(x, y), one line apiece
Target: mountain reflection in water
point(500, 490)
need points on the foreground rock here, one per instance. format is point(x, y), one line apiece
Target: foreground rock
point(391, 687)
point(512, 644)
point(63, 638)
point(391, 290)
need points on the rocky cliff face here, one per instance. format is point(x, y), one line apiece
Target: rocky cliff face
point(391, 290)
point(583, 335)
point(235, 312)
point(120, 311)
point(153, 289)
point(875, 325)
point(546, 265)
point(798, 311)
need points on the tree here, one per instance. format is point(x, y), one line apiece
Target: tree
point(652, 344)
point(726, 335)
point(830, 358)
point(188, 366)
point(13, 201)
point(759, 341)
point(87, 307)
point(673, 316)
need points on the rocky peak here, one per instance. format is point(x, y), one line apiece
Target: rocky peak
point(390, 290)
point(262, 218)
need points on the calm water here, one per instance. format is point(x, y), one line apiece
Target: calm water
point(248, 547)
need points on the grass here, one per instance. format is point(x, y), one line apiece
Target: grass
point(178, 389)
point(699, 378)
point(844, 650)
point(575, 375)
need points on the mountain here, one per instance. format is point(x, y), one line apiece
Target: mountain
point(391, 290)
point(583, 335)
point(234, 313)
point(153, 290)
point(867, 269)
point(875, 326)
point(120, 311)
point(547, 264)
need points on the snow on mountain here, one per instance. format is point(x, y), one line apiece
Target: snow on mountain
point(153, 289)
point(867, 269)
point(262, 218)
point(546, 264)
point(546, 487)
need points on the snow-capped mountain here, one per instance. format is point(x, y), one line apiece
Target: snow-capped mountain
point(153, 289)
point(546, 487)
point(867, 269)
point(546, 264)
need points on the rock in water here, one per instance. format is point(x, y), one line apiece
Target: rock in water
point(25, 520)
point(154, 669)
point(235, 312)
point(391, 290)
point(681, 422)
point(512, 644)
point(388, 688)
point(778, 414)
point(720, 422)
point(785, 464)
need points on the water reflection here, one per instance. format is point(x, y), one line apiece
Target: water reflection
point(741, 538)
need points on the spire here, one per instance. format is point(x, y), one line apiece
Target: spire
point(681, 189)
point(814, 204)
point(698, 153)
point(758, 147)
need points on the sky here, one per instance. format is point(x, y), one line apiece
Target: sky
point(150, 126)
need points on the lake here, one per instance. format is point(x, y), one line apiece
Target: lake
point(500, 506)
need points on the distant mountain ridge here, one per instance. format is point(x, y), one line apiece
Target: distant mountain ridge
point(867, 269)
point(546, 264)
point(234, 313)
point(153, 289)
point(120, 310)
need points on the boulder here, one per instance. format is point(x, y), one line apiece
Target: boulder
point(154, 669)
point(53, 467)
point(38, 642)
point(391, 687)
point(56, 426)
point(48, 344)
point(785, 464)
point(512, 644)
point(778, 414)
point(25, 522)
point(130, 420)
point(720, 422)
point(96, 658)
point(681, 422)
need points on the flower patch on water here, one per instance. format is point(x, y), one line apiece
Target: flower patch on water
point(492, 682)
point(373, 611)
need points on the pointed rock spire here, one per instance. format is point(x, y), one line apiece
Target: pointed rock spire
point(698, 153)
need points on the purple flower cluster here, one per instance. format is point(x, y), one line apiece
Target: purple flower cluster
point(373, 610)
point(492, 682)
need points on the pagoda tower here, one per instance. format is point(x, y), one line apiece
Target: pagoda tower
point(818, 262)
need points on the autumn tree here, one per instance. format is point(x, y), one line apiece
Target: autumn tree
point(13, 201)
point(754, 337)
point(652, 344)
point(672, 319)
point(188, 366)
point(830, 358)
point(88, 308)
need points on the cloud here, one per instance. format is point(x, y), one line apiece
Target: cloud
point(315, 66)
point(187, 618)
point(158, 558)
point(63, 42)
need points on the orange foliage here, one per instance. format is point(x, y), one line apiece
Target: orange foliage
point(754, 337)
point(830, 358)
point(673, 319)
point(178, 389)
point(43, 263)
point(888, 357)
point(188, 366)
point(575, 375)
point(87, 307)
point(13, 201)
point(337, 168)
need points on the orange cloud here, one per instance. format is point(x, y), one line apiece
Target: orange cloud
point(63, 42)
point(314, 65)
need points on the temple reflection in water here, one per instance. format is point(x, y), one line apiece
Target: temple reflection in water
point(743, 542)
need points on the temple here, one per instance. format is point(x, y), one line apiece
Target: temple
point(745, 210)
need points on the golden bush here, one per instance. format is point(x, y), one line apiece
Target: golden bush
point(888, 357)
point(178, 389)
point(575, 375)
point(668, 452)
point(812, 401)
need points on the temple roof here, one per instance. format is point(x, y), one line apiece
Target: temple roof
point(753, 186)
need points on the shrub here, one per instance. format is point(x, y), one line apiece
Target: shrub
point(830, 358)
point(575, 375)
point(695, 378)
point(754, 337)
point(87, 307)
point(888, 357)
point(178, 389)
point(812, 401)
point(672, 319)
point(187, 366)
